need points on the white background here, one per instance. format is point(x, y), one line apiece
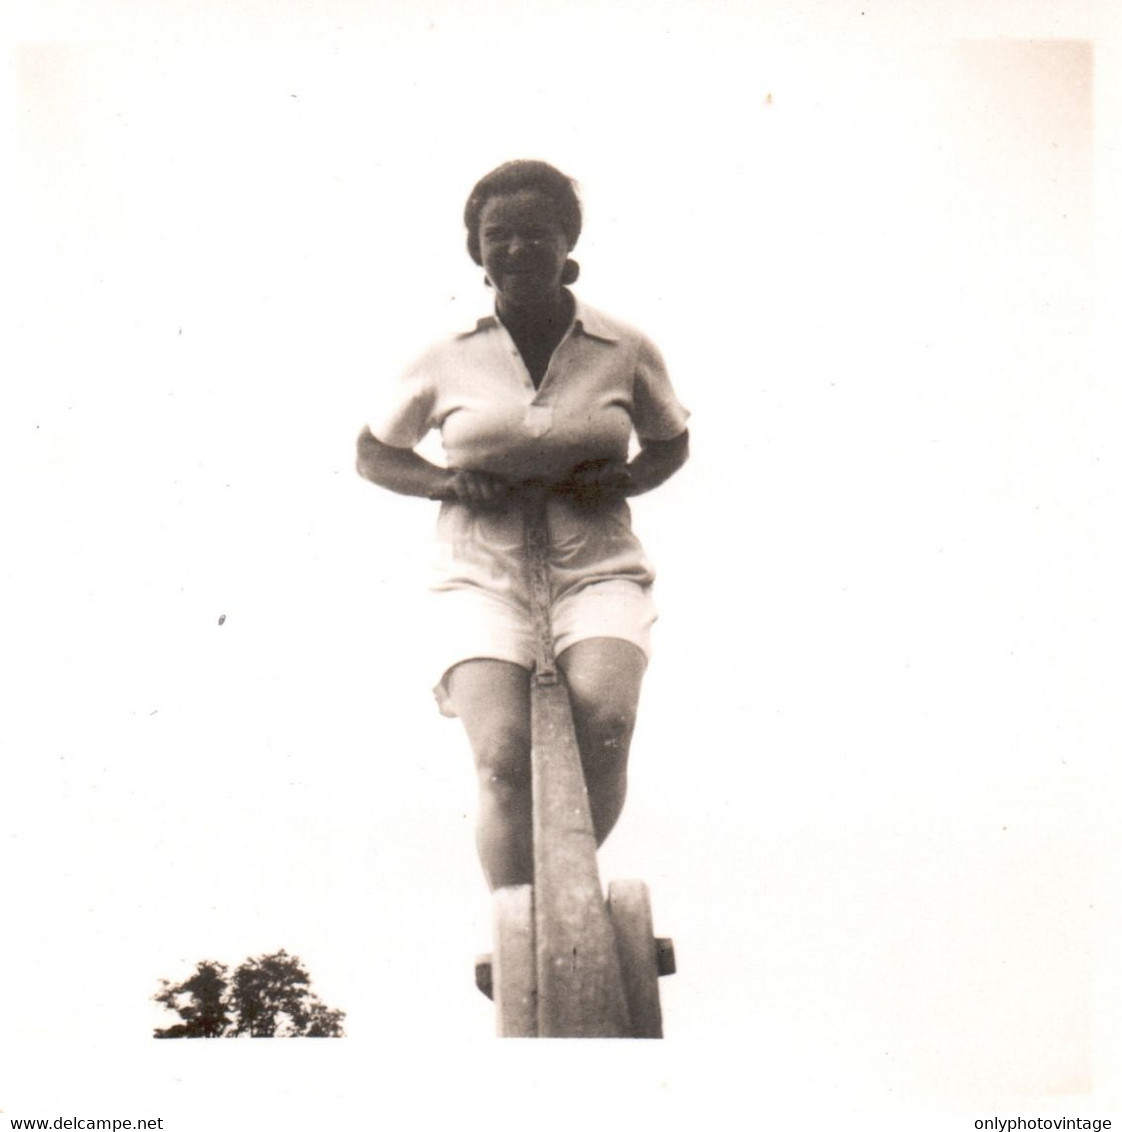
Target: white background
point(873, 785)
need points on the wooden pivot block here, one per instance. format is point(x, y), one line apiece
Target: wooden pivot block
point(629, 906)
point(629, 911)
point(513, 974)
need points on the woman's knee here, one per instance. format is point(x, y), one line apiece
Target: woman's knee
point(502, 759)
point(492, 699)
point(604, 733)
point(604, 676)
point(608, 722)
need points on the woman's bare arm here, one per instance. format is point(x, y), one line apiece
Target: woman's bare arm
point(656, 462)
point(403, 471)
point(593, 483)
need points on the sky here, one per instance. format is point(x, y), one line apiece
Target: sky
point(873, 786)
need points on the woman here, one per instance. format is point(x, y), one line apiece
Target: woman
point(545, 391)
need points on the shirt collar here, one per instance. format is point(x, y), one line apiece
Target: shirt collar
point(591, 322)
point(586, 320)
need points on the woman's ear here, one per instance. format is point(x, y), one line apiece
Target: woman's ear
point(570, 272)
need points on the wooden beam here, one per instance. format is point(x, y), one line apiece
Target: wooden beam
point(579, 985)
point(580, 989)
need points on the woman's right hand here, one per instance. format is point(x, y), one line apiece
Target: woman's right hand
point(476, 489)
point(404, 471)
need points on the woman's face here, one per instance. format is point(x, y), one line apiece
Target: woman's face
point(523, 248)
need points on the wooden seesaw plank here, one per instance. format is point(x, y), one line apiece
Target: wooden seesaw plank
point(580, 989)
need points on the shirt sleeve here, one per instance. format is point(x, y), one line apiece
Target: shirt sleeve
point(655, 409)
point(404, 413)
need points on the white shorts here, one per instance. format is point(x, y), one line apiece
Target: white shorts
point(474, 623)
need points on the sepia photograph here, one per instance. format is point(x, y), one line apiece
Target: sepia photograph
point(569, 548)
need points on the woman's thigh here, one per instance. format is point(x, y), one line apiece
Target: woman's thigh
point(492, 698)
point(604, 675)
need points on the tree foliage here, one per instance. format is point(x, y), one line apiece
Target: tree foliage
point(200, 1001)
point(267, 997)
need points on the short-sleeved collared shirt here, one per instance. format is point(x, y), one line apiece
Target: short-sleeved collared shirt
point(605, 383)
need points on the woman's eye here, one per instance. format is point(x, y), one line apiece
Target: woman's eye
point(505, 236)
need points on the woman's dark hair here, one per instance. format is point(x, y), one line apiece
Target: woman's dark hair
point(513, 177)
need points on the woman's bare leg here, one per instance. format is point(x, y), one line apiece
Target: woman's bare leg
point(492, 697)
point(604, 675)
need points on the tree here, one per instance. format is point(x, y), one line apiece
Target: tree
point(268, 997)
point(200, 1002)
